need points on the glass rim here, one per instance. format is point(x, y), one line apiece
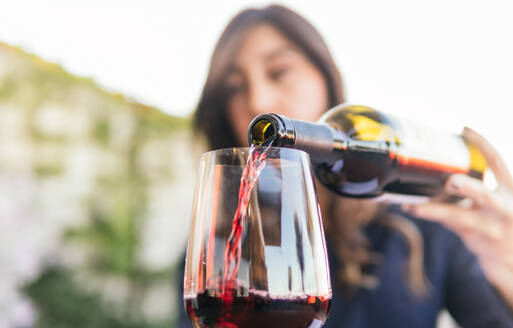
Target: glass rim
point(292, 151)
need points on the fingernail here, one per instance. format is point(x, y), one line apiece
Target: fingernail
point(455, 183)
point(466, 129)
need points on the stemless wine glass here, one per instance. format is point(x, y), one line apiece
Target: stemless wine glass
point(279, 276)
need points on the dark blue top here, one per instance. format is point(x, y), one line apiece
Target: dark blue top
point(457, 283)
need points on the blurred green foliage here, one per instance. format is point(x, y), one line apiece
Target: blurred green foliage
point(62, 304)
point(47, 170)
point(118, 204)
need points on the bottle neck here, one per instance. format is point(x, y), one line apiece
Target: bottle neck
point(323, 143)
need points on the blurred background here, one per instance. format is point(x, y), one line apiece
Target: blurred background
point(97, 159)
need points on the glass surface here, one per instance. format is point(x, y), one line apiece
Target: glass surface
point(283, 276)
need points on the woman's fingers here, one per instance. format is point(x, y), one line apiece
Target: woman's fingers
point(481, 196)
point(494, 160)
point(481, 246)
point(462, 220)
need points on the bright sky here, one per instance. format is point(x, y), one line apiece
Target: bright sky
point(442, 62)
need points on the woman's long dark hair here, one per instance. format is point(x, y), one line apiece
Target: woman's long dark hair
point(350, 246)
point(210, 117)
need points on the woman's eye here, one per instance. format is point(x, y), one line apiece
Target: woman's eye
point(278, 73)
point(235, 89)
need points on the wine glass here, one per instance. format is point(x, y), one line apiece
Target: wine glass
point(263, 266)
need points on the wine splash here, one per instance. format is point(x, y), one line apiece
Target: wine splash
point(254, 165)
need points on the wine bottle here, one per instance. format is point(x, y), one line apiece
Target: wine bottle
point(358, 151)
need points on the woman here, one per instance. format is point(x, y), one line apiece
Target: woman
point(273, 60)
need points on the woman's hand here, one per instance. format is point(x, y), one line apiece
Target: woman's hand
point(485, 224)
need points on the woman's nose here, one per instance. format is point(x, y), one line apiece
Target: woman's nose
point(263, 98)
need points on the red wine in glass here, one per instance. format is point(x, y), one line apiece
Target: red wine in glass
point(255, 310)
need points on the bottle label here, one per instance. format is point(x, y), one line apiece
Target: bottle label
point(425, 146)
